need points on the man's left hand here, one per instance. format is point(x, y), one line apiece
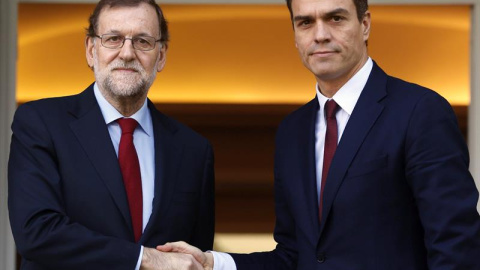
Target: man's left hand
point(204, 258)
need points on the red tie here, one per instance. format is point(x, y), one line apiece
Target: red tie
point(331, 139)
point(128, 159)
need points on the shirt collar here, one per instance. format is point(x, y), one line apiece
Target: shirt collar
point(347, 96)
point(110, 114)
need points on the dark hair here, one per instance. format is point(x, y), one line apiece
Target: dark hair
point(360, 5)
point(93, 20)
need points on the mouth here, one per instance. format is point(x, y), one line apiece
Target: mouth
point(323, 53)
point(128, 70)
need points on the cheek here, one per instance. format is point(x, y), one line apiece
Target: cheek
point(353, 39)
point(302, 48)
point(105, 57)
point(301, 42)
point(148, 63)
point(346, 43)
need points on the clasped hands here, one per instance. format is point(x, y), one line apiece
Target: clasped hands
point(176, 256)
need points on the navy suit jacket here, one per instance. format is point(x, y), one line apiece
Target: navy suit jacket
point(398, 194)
point(68, 206)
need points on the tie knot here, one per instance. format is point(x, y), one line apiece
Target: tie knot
point(127, 125)
point(331, 108)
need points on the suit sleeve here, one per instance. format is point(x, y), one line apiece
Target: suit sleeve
point(205, 227)
point(43, 232)
point(437, 171)
point(284, 256)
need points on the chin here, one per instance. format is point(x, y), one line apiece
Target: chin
point(126, 88)
point(322, 68)
point(129, 92)
point(324, 74)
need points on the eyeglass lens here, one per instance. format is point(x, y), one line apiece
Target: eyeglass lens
point(144, 43)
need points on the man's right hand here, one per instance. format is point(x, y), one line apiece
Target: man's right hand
point(205, 258)
point(153, 259)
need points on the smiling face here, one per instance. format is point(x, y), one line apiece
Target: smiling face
point(126, 72)
point(330, 39)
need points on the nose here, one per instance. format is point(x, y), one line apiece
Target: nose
point(127, 52)
point(322, 33)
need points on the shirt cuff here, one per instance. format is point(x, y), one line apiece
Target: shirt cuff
point(139, 262)
point(223, 261)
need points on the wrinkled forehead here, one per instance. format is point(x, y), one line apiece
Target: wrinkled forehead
point(129, 20)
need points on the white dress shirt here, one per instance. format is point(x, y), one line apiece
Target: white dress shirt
point(346, 97)
point(144, 145)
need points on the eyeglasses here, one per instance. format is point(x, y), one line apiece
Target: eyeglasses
point(141, 43)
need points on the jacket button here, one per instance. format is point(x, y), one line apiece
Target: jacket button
point(321, 257)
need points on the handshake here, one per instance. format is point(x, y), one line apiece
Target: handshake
point(176, 256)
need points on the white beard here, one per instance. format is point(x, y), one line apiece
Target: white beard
point(135, 84)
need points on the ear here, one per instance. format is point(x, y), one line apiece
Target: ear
point(162, 57)
point(366, 23)
point(89, 47)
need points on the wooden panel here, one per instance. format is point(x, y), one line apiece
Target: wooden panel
point(243, 140)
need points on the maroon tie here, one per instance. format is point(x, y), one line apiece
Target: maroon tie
point(128, 159)
point(331, 139)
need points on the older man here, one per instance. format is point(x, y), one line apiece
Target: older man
point(98, 179)
point(395, 193)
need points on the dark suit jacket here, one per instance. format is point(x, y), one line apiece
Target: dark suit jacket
point(398, 194)
point(68, 206)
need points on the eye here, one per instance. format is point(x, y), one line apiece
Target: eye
point(141, 40)
point(304, 23)
point(144, 42)
point(113, 39)
point(337, 18)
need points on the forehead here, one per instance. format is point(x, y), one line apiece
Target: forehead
point(129, 20)
point(303, 7)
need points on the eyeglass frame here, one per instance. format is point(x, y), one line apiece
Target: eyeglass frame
point(131, 39)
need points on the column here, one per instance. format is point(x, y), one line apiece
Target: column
point(8, 48)
point(474, 109)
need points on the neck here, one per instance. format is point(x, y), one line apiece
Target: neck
point(127, 106)
point(329, 89)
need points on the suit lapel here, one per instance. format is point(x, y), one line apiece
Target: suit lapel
point(92, 133)
point(363, 117)
point(168, 152)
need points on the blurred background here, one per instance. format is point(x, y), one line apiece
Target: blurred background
point(233, 73)
point(244, 54)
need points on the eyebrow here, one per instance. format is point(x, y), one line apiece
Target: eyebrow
point(335, 12)
point(302, 18)
point(116, 32)
point(326, 15)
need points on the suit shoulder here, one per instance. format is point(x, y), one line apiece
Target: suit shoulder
point(302, 112)
point(47, 105)
point(399, 87)
point(189, 136)
point(403, 92)
point(188, 131)
point(394, 87)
